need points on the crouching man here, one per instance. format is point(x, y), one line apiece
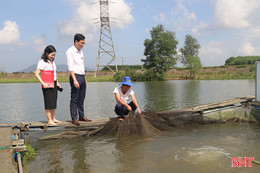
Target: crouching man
point(122, 95)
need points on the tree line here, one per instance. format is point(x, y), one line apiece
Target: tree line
point(161, 55)
point(242, 60)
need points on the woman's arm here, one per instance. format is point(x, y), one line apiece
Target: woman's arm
point(37, 75)
point(135, 103)
point(58, 84)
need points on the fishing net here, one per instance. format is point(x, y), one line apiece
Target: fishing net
point(169, 120)
point(133, 125)
point(150, 123)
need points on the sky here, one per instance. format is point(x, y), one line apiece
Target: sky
point(224, 28)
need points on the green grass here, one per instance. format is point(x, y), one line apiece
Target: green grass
point(60, 79)
point(18, 80)
point(216, 76)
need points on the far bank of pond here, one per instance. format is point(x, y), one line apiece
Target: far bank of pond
point(206, 73)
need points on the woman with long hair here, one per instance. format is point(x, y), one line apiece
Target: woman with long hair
point(46, 75)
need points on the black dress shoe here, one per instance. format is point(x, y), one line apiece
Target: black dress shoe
point(84, 119)
point(76, 122)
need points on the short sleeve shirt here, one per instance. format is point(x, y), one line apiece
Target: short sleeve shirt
point(47, 66)
point(124, 97)
point(75, 60)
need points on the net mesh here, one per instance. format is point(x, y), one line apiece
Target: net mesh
point(151, 123)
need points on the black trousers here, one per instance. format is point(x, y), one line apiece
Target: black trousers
point(121, 110)
point(77, 97)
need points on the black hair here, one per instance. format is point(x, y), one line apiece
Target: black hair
point(78, 37)
point(49, 49)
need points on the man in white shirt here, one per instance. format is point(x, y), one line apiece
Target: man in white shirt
point(122, 95)
point(78, 83)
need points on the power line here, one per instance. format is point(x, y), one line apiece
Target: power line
point(106, 52)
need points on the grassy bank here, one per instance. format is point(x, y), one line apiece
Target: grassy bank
point(215, 73)
point(62, 77)
point(206, 73)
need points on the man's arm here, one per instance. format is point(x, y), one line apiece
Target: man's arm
point(75, 81)
point(136, 103)
point(70, 67)
point(123, 103)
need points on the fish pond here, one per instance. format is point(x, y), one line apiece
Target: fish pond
point(204, 148)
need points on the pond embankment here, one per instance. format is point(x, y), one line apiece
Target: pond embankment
point(206, 73)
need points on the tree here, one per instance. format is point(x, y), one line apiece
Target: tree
point(160, 50)
point(190, 55)
point(194, 65)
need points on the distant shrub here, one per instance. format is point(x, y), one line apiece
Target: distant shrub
point(241, 66)
point(148, 75)
point(242, 60)
point(222, 72)
point(224, 66)
point(181, 68)
point(154, 75)
point(252, 68)
point(124, 67)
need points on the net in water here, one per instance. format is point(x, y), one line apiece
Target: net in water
point(151, 123)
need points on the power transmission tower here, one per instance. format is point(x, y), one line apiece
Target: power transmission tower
point(106, 53)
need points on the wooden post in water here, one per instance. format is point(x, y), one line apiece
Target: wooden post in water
point(257, 82)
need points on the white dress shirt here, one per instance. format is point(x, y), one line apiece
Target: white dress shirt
point(75, 60)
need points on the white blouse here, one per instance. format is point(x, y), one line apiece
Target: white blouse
point(47, 66)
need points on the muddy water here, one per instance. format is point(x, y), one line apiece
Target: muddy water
point(207, 148)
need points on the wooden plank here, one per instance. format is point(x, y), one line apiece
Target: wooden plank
point(221, 103)
point(62, 124)
point(7, 163)
point(17, 131)
point(20, 166)
point(254, 103)
point(18, 142)
point(215, 105)
point(20, 148)
point(6, 136)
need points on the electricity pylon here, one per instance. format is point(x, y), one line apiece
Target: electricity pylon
point(106, 52)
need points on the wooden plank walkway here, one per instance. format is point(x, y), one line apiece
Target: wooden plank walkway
point(219, 104)
point(66, 124)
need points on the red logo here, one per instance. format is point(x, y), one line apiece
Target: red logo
point(238, 161)
point(81, 57)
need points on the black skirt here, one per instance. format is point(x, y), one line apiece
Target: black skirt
point(50, 96)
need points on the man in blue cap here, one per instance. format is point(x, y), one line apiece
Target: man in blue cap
point(122, 95)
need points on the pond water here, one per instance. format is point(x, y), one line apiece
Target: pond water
point(24, 101)
point(207, 148)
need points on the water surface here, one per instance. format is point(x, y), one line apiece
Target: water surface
point(206, 148)
point(24, 102)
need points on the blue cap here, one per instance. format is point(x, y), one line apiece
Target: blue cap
point(126, 81)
